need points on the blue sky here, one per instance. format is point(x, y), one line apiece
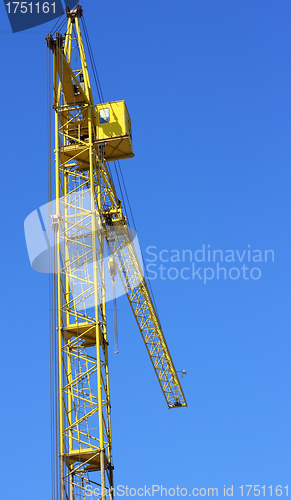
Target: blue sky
point(207, 84)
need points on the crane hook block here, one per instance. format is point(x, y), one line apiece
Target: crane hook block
point(112, 267)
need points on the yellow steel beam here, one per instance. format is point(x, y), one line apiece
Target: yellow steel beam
point(84, 409)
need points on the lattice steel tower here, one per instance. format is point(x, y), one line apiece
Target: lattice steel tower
point(92, 239)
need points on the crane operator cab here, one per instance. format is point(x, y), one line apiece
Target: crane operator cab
point(112, 134)
point(114, 130)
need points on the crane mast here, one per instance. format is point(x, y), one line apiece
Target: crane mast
point(89, 224)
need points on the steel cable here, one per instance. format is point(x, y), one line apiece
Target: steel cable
point(124, 198)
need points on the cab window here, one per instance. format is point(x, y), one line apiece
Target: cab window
point(104, 115)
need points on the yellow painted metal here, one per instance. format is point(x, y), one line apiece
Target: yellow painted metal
point(119, 240)
point(89, 218)
point(84, 399)
point(114, 130)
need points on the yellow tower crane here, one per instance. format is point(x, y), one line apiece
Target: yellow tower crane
point(92, 238)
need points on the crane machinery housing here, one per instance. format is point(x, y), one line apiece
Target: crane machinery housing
point(88, 224)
